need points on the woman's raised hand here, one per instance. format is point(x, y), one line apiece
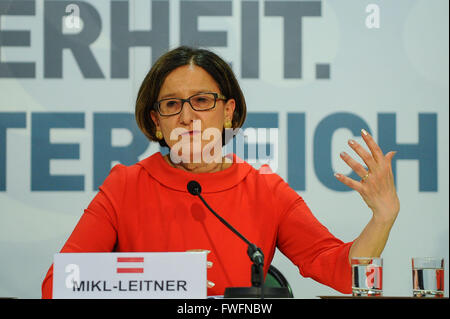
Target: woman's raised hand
point(376, 186)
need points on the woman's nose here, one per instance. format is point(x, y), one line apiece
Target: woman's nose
point(187, 114)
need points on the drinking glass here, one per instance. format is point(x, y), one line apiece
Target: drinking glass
point(367, 276)
point(428, 277)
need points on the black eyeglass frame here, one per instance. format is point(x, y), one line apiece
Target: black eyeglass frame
point(217, 96)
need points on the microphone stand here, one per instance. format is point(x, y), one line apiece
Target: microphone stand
point(257, 290)
point(254, 253)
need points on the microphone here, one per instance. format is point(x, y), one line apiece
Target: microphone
point(253, 251)
point(194, 188)
point(256, 256)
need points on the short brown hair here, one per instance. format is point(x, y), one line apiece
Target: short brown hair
point(184, 55)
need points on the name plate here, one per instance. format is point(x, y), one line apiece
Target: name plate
point(166, 275)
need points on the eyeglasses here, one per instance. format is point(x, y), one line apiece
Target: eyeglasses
point(198, 102)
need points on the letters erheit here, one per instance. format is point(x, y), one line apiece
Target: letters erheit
point(156, 37)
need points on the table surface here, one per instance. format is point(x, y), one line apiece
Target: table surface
point(377, 297)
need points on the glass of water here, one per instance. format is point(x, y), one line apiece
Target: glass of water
point(367, 276)
point(428, 277)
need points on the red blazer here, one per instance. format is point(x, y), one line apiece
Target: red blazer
point(146, 208)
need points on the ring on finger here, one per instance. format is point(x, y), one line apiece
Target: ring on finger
point(365, 177)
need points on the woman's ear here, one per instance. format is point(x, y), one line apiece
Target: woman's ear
point(229, 109)
point(155, 119)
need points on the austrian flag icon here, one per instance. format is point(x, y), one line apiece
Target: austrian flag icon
point(130, 265)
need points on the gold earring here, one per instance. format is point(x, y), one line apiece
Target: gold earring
point(159, 135)
point(227, 124)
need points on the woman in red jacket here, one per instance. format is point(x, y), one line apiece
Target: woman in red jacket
point(189, 98)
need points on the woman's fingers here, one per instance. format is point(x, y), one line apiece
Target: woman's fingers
point(209, 264)
point(198, 250)
point(376, 151)
point(389, 156)
point(349, 182)
point(373, 159)
point(363, 154)
point(354, 165)
point(376, 186)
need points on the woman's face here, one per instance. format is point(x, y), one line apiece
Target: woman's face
point(188, 132)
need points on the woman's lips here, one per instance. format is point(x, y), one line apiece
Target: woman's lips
point(191, 133)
